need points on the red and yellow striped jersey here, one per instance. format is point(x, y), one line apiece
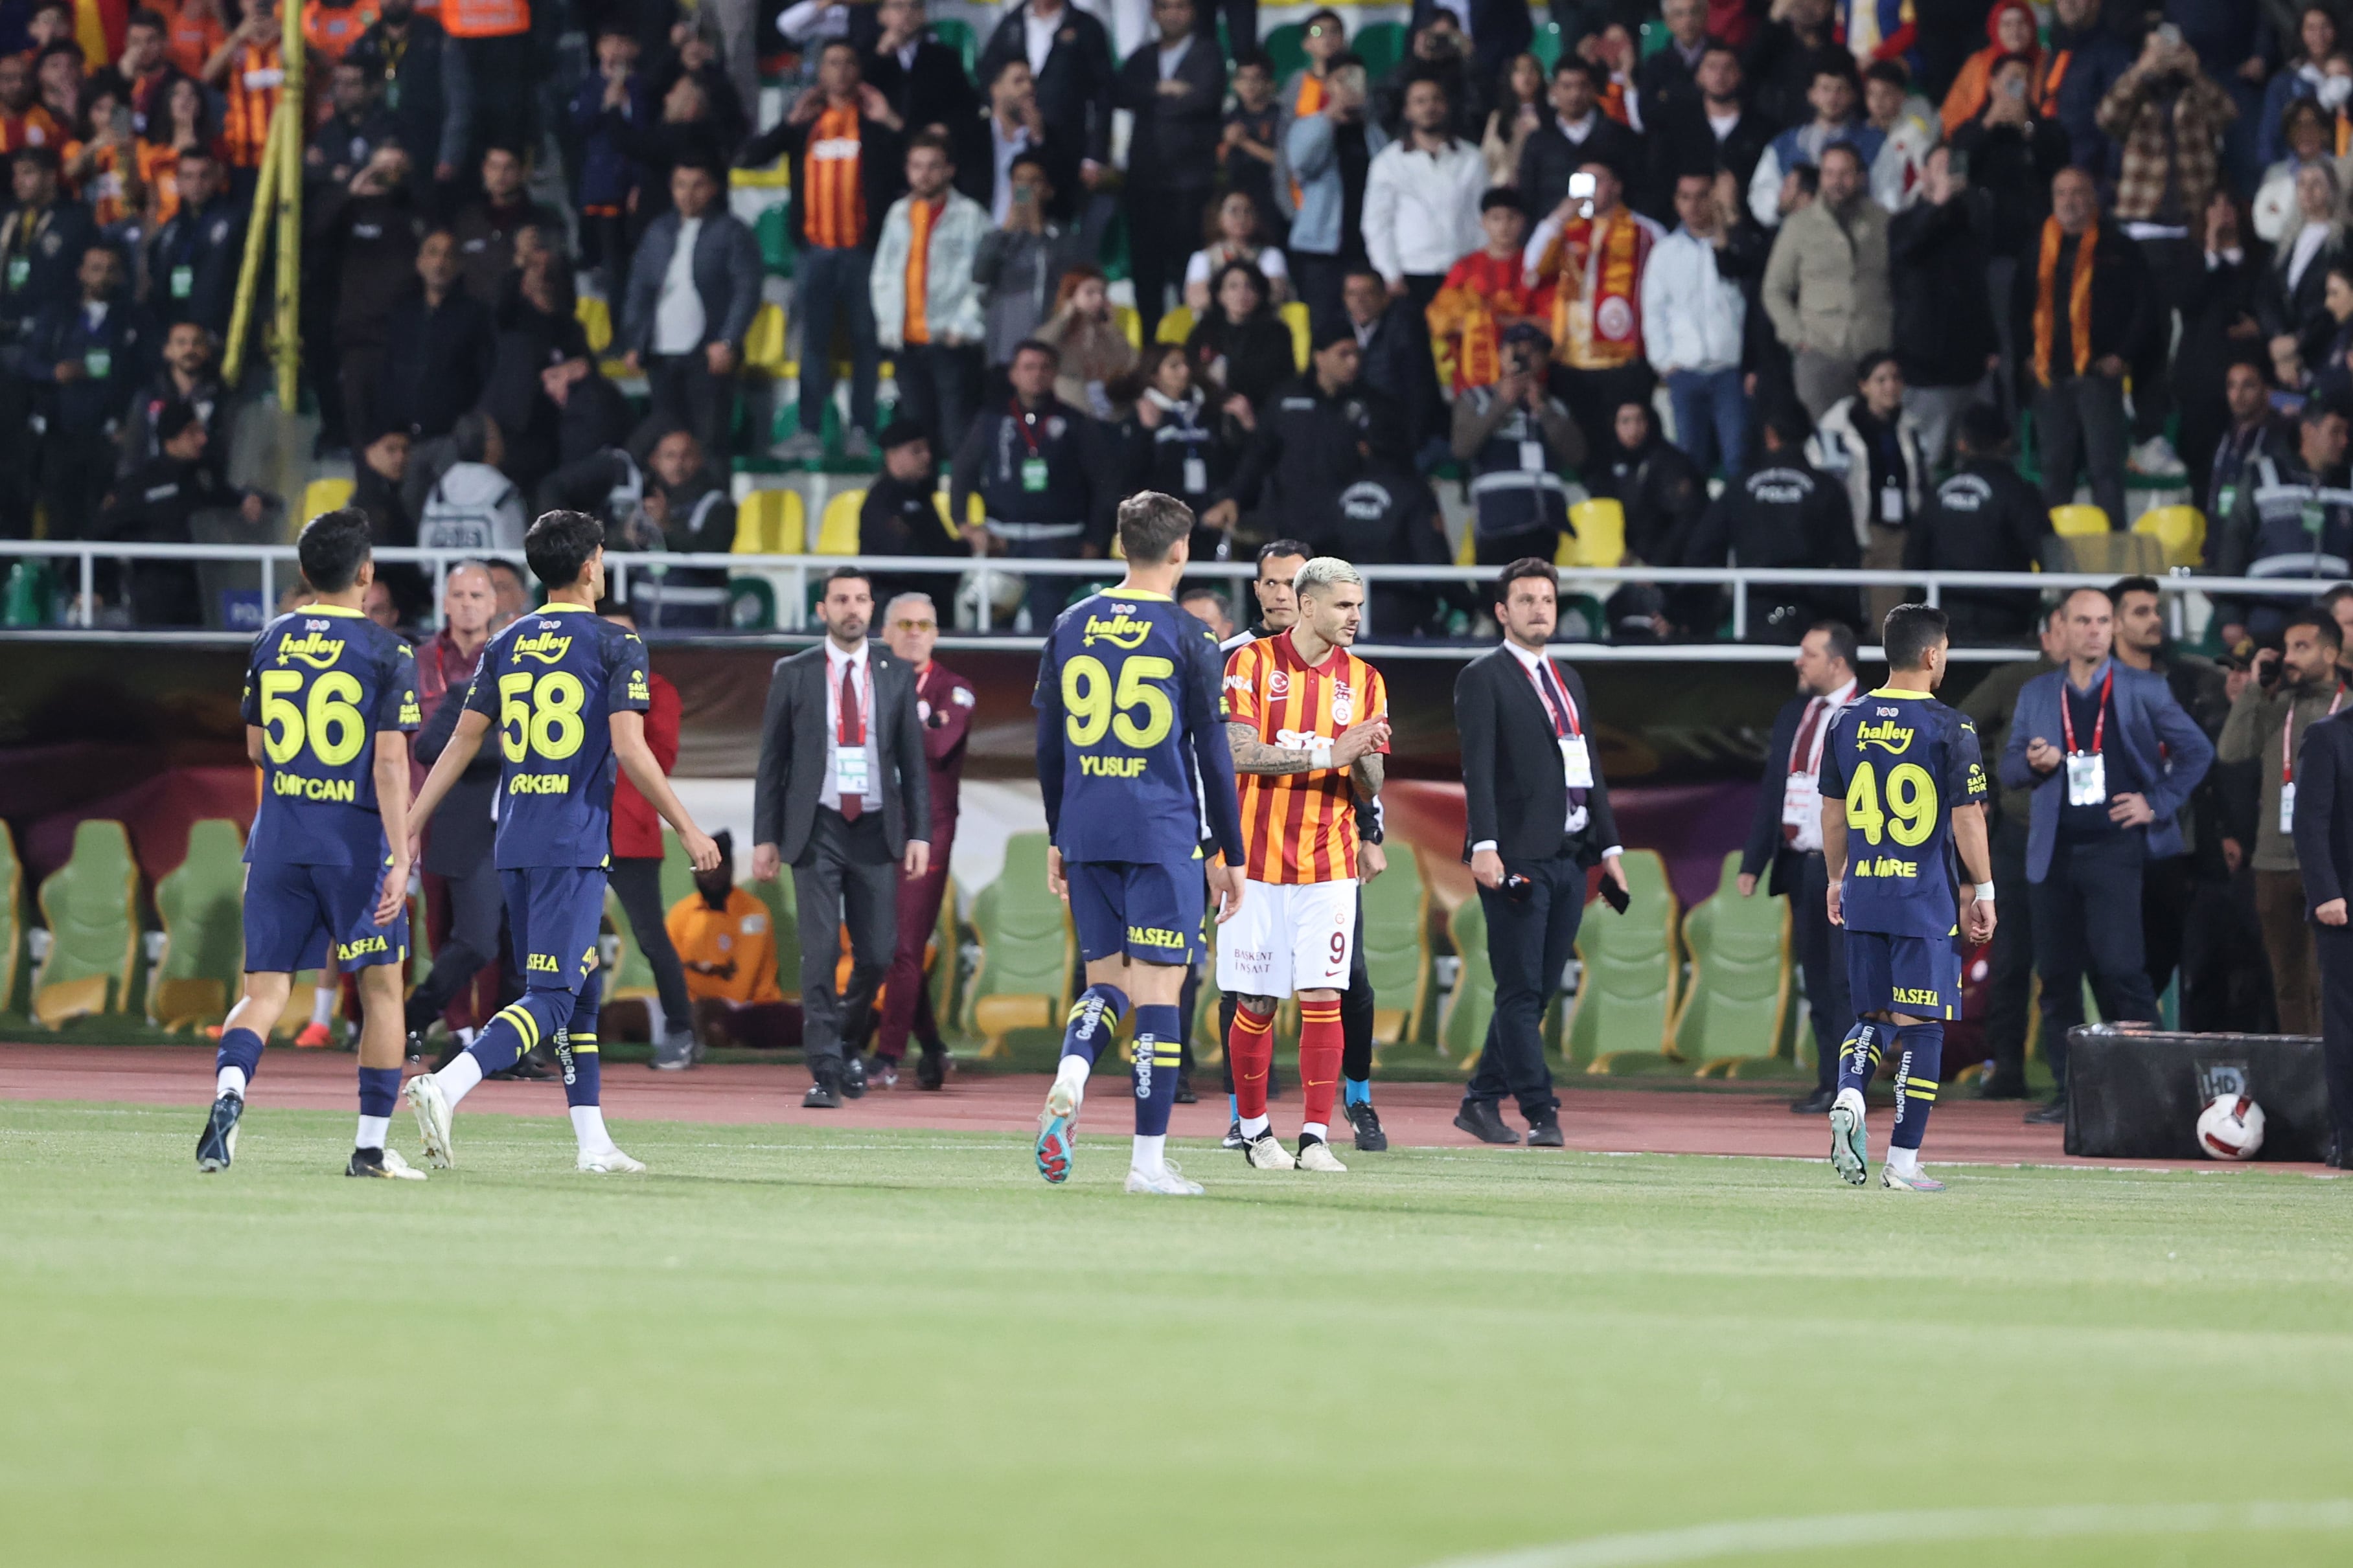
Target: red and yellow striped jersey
point(836, 201)
point(1299, 827)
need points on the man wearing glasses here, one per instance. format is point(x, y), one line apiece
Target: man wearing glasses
point(944, 704)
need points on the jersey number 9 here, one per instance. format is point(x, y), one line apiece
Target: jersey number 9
point(328, 718)
point(541, 715)
point(1908, 814)
point(1096, 707)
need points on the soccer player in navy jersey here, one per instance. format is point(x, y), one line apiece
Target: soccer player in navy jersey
point(329, 698)
point(568, 693)
point(1904, 789)
point(1132, 752)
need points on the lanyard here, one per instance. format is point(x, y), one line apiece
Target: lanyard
point(2287, 732)
point(1537, 672)
point(2067, 712)
point(1021, 422)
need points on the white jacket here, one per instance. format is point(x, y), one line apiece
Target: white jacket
point(1421, 212)
point(1692, 314)
point(952, 307)
point(1841, 447)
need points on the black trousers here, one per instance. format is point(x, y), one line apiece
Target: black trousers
point(2009, 983)
point(636, 880)
point(1164, 229)
point(1318, 280)
point(1822, 958)
point(476, 909)
point(2080, 423)
point(846, 876)
point(2334, 946)
point(687, 396)
point(939, 389)
point(2087, 925)
point(77, 468)
point(1593, 397)
point(1529, 941)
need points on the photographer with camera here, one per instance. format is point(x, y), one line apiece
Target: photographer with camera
point(1514, 438)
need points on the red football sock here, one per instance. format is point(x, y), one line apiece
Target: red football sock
point(1321, 1043)
point(1250, 1049)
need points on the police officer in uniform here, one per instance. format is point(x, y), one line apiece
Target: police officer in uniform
point(2293, 518)
point(1785, 512)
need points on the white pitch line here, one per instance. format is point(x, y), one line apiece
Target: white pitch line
point(1707, 1542)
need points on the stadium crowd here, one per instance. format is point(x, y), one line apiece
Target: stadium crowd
point(1811, 282)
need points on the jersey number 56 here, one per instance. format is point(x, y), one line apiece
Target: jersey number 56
point(328, 718)
point(1095, 705)
point(541, 715)
point(1909, 815)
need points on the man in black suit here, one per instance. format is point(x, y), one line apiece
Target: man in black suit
point(1069, 52)
point(841, 790)
point(1538, 818)
point(1394, 339)
point(2324, 854)
point(1175, 88)
point(1499, 29)
point(1705, 128)
point(1577, 134)
point(1785, 834)
point(922, 78)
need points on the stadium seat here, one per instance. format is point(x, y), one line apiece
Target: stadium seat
point(1600, 528)
point(1294, 316)
point(771, 521)
point(1472, 1005)
point(1131, 323)
point(1027, 950)
point(1286, 49)
point(1397, 946)
point(204, 935)
point(751, 605)
point(972, 508)
point(1627, 990)
point(1176, 327)
point(1546, 46)
point(2075, 521)
point(92, 907)
point(12, 921)
point(2104, 553)
point(783, 919)
point(2179, 531)
point(941, 956)
point(596, 319)
point(774, 230)
point(1737, 1010)
point(325, 495)
point(837, 533)
point(1380, 45)
point(763, 345)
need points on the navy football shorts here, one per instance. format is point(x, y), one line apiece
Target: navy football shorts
point(317, 917)
point(1150, 912)
point(1919, 976)
point(552, 913)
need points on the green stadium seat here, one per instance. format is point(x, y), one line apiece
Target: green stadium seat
point(1474, 1003)
point(1546, 46)
point(774, 230)
point(201, 903)
point(751, 605)
point(959, 35)
point(12, 919)
point(942, 977)
point(1736, 1011)
point(1286, 48)
point(1397, 947)
point(1380, 45)
point(1027, 950)
point(632, 976)
point(1631, 975)
point(92, 907)
point(783, 919)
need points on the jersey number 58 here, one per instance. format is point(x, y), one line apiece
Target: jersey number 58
point(1091, 698)
point(1909, 815)
point(541, 715)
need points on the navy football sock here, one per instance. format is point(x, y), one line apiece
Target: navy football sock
point(1092, 1020)
point(520, 1026)
point(1156, 1054)
point(241, 1049)
point(379, 1091)
point(575, 1049)
point(1858, 1055)
point(1919, 1062)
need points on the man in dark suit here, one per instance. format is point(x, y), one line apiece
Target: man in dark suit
point(2324, 852)
point(2110, 758)
point(1074, 78)
point(920, 78)
point(1785, 834)
point(1577, 133)
point(1499, 29)
point(1175, 88)
point(1538, 818)
point(1393, 339)
point(842, 792)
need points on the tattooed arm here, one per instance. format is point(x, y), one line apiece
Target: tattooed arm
point(1253, 755)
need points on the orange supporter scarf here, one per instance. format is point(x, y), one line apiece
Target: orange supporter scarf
point(1596, 310)
point(921, 216)
point(1310, 101)
point(2079, 300)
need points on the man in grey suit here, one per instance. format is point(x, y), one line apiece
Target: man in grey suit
point(841, 783)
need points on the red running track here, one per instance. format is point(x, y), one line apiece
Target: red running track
point(1715, 1119)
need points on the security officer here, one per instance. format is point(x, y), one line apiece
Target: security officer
point(2324, 849)
point(157, 504)
point(1306, 453)
point(1984, 518)
point(192, 272)
point(1390, 515)
point(1047, 475)
point(1785, 512)
point(1515, 438)
point(87, 356)
point(2293, 518)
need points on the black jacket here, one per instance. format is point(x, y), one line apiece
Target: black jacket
point(1683, 142)
point(2013, 168)
point(1174, 144)
point(2124, 305)
point(931, 89)
point(437, 362)
point(899, 519)
point(1251, 357)
point(1398, 363)
point(1074, 90)
point(210, 246)
point(1778, 69)
point(1664, 492)
point(1084, 470)
point(1984, 518)
point(793, 748)
point(1512, 787)
point(2297, 311)
point(1549, 158)
point(157, 504)
point(2324, 831)
point(1936, 258)
point(1499, 29)
point(1305, 455)
point(415, 72)
point(367, 250)
point(1786, 514)
point(1663, 84)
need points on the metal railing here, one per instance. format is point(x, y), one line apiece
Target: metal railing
point(791, 576)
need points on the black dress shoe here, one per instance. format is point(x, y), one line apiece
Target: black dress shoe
point(1185, 1095)
point(932, 1069)
point(822, 1096)
point(853, 1077)
point(2002, 1086)
point(1480, 1119)
point(1815, 1104)
point(1545, 1135)
point(2053, 1114)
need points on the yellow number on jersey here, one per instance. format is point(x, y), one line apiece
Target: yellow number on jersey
point(329, 717)
point(1909, 814)
point(541, 715)
point(1097, 707)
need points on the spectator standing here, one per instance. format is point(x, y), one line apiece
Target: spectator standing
point(382, 469)
point(1876, 443)
point(486, 227)
point(635, 869)
point(1305, 451)
point(902, 515)
point(613, 109)
point(1182, 445)
point(88, 358)
point(2301, 76)
point(1908, 127)
point(1520, 108)
point(158, 505)
point(2106, 796)
point(1485, 294)
point(1421, 199)
point(1241, 349)
point(1045, 477)
point(1307, 89)
point(1709, 127)
point(1835, 123)
point(2308, 138)
point(187, 372)
point(1329, 154)
point(2291, 299)
point(1826, 285)
point(23, 122)
point(1594, 250)
point(366, 235)
point(1069, 57)
point(1576, 134)
point(1436, 50)
point(945, 704)
point(927, 310)
point(1022, 261)
point(2081, 311)
point(1785, 841)
point(1663, 491)
point(1668, 79)
point(462, 896)
point(1232, 232)
point(843, 140)
point(425, 89)
point(1249, 139)
point(1394, 358)
point(488, 48)
point(1985, 517)
point(355, 126)
point(1781, 57)
point(1693, 322)
point(2086, 56)
point(1094, 353)
point(2291, 521)
point(1014, 129)
point(1784, 512)
point(43, 239)
point(922, 79)
point(2011, 32)
point(694, 288)
point(2013, 156)
point(1513, 438)
point(439, 344)
point(249, 70)
point(842, 797)
point(1176, 89)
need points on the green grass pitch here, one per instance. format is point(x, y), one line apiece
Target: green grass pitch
point(804, 1348)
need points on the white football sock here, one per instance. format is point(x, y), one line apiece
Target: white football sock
point(1151, 1153)
point(459, 1079)
point(1317, 1130)
point(588, 1127)
point(323, 1002)
point(1074, 1071)
point(1254, 1125)
point(372, 1132)
point(230, 1081)
point(1904, 1162)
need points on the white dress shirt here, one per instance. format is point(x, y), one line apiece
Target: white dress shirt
point(1422, 209)
point(1575, 822)
point(1801, 799)
point(861, 669)
point(679, 319)
point(1037, 35)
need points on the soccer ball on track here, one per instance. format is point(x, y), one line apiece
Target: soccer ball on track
point(2230, 1128)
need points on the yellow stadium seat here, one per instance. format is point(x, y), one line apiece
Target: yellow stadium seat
point(763, 345)
point(2180, 533)
point(776, 177)
point(1600, 528)
point(771, 522)
point(2075, 521)
point(1131, 323)
point(973, 510)
point(1176, 327)
point(1467, 553)
point(1294, 316)
point(837, 532)
point(321, 496)
point(596, 319)
point(1565, 552)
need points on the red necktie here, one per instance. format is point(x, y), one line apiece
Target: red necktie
point(1801, 752)
point(851, 734)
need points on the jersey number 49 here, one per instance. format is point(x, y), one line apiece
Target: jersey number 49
point(1909, 813)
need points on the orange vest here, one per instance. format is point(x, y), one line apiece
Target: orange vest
point(334, 29)
point(921, 216)
point(485, 18)
point(836, 198)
